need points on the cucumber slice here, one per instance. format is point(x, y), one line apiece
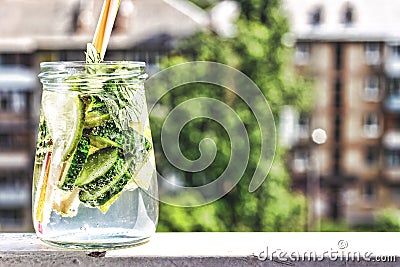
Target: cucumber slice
point(104, 176)
point(94, 119)
point(97, 165)
point(129, 140)
point(107, 192)
point(76, 166)
point(106, 135)
point(96, 112)
point(102, 142)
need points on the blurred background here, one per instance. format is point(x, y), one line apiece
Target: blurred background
point(330, 71)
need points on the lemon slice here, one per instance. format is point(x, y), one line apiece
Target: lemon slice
point(104, 208)
point(146, 170)
point(144, 174)
point(142, 129)
point(66, 202)
point(64, 112)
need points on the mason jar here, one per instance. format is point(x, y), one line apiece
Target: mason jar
point(94, 181)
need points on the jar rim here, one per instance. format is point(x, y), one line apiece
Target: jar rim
point(58, 73)
point(83, 63)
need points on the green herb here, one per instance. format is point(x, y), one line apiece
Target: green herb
point(92, 56)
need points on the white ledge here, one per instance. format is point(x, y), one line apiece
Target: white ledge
point(216, 249)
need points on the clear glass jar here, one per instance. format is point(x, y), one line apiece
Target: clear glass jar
point(94, 183)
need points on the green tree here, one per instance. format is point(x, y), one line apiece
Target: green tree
point(256, 50)
point(387, 221)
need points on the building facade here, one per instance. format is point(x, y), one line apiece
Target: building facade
point(17, 88)
point(351, 51)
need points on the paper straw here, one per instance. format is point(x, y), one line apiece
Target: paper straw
point(105, 25)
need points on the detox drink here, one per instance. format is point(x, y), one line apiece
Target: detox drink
point(94, 180)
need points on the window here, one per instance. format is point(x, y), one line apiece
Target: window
point(348, 15)
point(371, 89)
point(303, 127)
point(14, 178)
point(372, 53)
point(369, 191)
point(5, 101)
point(371, 156)
point(5, 141)
point(392, 158)
point(13, 141)
point(300, 161)
point(11, 216)
point(371, 127)
point(16, 59)
point(9, 59)
point(316, 16)
point(395, 50)
point(13, 101)
point(394, 87)
point(18, 104)
point(302, 54)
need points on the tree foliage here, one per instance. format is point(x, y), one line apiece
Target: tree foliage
point(388, 220)
point(257, 51)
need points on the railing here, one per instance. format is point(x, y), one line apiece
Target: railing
point(216, 249)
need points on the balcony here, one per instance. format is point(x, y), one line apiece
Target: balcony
point(14, 196)
point(392, 103)
point(391, 139)
point(392, 100)
point(372, 55)
point(15, 160)
point(392, 60)
point(391, 142)
point(392, 66)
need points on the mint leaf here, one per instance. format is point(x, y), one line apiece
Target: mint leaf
point(92, 55)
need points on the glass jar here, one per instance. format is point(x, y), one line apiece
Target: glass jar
point(94, 182)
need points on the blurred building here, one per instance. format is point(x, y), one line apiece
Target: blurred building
point(17, 87)
point(52, 30)
point(351, 50)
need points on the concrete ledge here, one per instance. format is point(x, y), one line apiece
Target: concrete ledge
point(216, 249)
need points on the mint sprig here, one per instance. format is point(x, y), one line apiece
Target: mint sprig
point(92, 55)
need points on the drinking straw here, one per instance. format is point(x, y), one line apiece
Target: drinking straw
point(105, 25)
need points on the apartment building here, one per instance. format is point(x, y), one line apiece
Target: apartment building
point(351, 51)
point(17, 86)
point(58, 30)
